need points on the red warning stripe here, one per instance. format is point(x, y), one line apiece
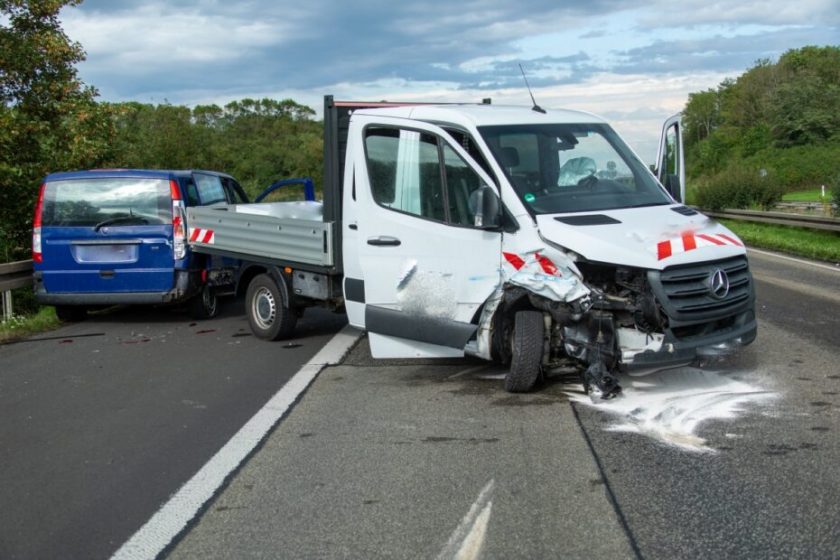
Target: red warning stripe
point(710, 239)
point(663, 249)
point(732, 240)
point(515, 260)
point(201, 235)
point(689, 241)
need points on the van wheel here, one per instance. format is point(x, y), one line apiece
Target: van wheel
point(205, 305)
point(70, 313)
point(526, 351)
point(269, 317)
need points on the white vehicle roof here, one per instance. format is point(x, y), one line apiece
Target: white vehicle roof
point(483, 114)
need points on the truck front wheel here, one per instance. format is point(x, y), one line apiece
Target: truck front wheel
point(270, 318)
point(526, 351)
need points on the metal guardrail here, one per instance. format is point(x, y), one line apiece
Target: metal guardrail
point(13, 275)
point(779, 218)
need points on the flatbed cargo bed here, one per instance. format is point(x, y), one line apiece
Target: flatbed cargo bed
point(276, 232)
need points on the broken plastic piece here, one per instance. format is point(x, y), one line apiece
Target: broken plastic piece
point(599, 383)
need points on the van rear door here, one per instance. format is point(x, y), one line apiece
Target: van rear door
point(107, 235)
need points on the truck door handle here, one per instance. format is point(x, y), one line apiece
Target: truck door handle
point(384, 241)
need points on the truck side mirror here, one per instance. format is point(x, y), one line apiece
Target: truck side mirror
point(485, 207)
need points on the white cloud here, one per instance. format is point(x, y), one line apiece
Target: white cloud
point(770, 12)
point(154, 35)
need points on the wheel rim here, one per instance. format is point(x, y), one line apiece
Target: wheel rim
point(264, 308)
point(208, 298)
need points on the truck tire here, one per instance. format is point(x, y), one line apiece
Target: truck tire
point(70, 313)
point(526, 351)
point(269, 316)
point(205, 304)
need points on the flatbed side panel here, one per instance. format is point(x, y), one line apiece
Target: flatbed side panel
point(267, 237)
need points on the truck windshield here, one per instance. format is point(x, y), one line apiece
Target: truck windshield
point(561, 168)
point(104, 201)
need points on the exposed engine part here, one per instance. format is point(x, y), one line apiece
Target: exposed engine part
point(593, 341)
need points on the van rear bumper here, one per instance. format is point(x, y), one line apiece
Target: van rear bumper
point(187, 284)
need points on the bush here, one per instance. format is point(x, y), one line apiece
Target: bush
point(835, 194)
point(739, 187)
point(801, 166)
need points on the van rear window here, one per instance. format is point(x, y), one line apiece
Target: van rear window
point(125, 201)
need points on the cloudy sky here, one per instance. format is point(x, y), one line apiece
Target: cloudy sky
point(633, 62)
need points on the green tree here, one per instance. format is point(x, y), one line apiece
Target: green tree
point(805, 109)
point(49, 119)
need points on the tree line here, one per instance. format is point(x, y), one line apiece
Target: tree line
point(777, 127)
point(51, 121)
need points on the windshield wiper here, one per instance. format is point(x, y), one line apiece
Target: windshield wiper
point(118, 219)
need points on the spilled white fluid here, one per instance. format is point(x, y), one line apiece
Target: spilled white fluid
point(670, 405)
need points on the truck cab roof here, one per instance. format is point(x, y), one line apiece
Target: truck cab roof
point(482, 114)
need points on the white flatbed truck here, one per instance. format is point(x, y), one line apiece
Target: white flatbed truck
point(532, 237)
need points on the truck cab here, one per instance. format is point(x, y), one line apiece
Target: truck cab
point(533, 238)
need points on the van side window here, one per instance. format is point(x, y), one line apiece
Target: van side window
point(405, 172)
point(235, 193)
point(210, 189)
point(192, 194)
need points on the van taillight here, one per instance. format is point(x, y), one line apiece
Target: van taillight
point(174, 190)
point(37, 255)
point(179, 226)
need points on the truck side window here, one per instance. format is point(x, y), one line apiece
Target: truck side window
point(461, 182)
point(404, 170)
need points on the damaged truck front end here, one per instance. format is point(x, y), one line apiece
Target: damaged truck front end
point(607, 319)
point(625, 278)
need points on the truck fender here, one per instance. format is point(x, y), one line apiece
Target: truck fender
point(250, 271)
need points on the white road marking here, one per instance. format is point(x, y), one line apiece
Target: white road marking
point(800, 261)
point(153, 537)
point(468, 539)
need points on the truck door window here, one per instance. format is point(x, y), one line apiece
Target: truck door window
point(404, 170)
point(461, 182)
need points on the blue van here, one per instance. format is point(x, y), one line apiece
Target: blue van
point(119, 236)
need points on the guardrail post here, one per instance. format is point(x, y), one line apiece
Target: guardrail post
point(13, 275)
point(7, 305)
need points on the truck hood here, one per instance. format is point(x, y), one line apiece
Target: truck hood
point(653, 237)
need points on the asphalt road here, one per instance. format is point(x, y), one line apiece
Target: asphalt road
point(383, 459)
point(103, 420)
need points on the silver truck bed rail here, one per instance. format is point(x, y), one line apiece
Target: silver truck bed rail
point(233, 229)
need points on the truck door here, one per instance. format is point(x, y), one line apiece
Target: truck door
point(670, 161)
point(426, 266)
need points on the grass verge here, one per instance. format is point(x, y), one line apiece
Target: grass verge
point(20, 326)
point(814, 195)
point(809, 243)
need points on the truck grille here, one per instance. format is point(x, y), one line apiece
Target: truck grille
point(685, 294)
